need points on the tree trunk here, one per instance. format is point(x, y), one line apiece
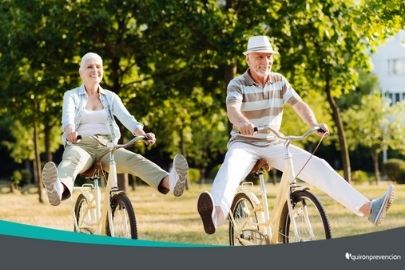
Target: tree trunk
point(230, 73)
point(122, 178)
point(341, 134)
point(228, 4)
point(374, 156)
point(122, 181)
point(132, 180)
point(183, 152)
point(47, 141)
point(37, 160)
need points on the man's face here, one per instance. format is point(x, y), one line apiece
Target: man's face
point(260, 63)
point(92, 71)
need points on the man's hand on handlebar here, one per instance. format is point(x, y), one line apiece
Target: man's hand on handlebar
point(246, 129)
point(322, 130)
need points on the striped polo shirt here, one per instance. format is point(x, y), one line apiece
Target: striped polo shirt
point(262, 105)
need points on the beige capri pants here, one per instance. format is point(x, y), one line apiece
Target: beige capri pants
point(79, 157)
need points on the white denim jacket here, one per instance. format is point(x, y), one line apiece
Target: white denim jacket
point(75, 100)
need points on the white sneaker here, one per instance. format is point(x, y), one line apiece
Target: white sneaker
point(52, 183)
point(178, 175)
point(379, 207)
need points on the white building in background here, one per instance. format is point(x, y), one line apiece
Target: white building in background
point(389, 67)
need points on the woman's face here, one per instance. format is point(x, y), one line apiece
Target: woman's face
point(92, 71)
point(260, 63)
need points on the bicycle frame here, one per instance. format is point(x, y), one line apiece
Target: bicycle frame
point(288, 185)
point(100, 211)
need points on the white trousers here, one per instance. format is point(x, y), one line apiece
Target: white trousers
point(241, 158)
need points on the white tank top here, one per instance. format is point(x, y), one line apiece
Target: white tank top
point(93, 122)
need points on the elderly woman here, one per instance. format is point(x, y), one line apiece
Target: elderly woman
point(89, 111)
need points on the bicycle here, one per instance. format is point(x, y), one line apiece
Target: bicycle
point(298, 215)
point(114, 216)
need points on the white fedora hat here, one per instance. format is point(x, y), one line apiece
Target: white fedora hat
point(259, 44)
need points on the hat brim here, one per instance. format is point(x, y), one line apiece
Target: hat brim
point(260, 51)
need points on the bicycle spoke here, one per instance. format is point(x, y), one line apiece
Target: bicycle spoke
point(243, 224)
point(123, 217)
point(309, 217)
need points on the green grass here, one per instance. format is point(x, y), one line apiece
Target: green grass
point(166, 218)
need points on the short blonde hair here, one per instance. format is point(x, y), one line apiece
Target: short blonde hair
point(87, 56)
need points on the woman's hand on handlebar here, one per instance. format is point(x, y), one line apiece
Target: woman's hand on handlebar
point(73, 137)
point(150, 138)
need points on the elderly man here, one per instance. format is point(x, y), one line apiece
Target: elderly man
point(256, 99)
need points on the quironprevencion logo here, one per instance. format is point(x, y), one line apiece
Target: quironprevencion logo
point(372, 257)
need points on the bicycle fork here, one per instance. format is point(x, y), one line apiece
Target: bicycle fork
point(291, 177)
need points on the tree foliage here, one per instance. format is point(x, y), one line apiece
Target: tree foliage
point(23, 139)
point(170, 60)
point(376, 125)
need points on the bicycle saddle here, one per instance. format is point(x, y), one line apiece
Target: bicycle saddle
point(95, 169)
point(261, 164)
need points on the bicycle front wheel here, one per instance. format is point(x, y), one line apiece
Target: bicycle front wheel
point(243, 223)
point(123, 217)
point(310, 218)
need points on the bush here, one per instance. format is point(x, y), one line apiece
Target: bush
point(213, 172)
point(360, 177)
point(16, 177)
point(194, 175)
point(26, 177)
point(395, 170)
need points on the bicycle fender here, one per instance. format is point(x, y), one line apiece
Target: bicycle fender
point(256, 204)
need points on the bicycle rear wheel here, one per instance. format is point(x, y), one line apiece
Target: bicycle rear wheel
point(244, 229)
point(84, 215)
point(123, 217)
point(310, 217)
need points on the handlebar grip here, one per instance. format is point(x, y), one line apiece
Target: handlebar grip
point(146, 137)
point(255, 129)
point(321, 130)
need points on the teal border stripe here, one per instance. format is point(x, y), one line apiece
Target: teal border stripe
point(34, 232)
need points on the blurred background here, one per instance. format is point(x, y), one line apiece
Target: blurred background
point(171, 60)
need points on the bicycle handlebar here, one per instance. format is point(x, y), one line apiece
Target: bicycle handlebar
point(293, 137)
point(131, 142)
point(125, 145)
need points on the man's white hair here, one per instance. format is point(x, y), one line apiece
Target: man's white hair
point(88, 56)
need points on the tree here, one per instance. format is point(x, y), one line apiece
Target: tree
point(32, 78)
point(327, 42)
point(293, 125)
point(159, 53)
point(376, 125)
point(195, 127)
